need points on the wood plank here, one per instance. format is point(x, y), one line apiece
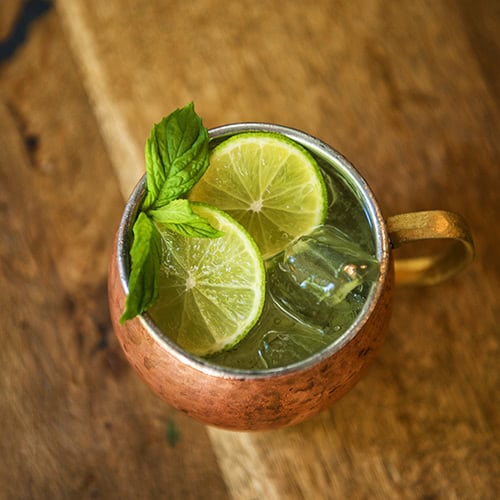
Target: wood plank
point(8, 13)
point(76, 422)
point(401, 89)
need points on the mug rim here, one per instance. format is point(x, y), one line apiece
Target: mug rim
point(362, 190)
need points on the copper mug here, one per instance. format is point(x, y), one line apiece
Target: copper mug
point(259, 400)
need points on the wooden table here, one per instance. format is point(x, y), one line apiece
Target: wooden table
point(409, 91)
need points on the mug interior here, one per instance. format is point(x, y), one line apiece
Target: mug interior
point(359, 188)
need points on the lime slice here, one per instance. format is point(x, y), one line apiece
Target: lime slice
point(212, 290)
point(269, 184)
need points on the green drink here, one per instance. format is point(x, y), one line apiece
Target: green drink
point(317, 279)
point(297, 322)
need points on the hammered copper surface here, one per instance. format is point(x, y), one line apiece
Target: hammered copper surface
point(251, 403)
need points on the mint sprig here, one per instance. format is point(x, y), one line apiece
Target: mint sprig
point(176, 158)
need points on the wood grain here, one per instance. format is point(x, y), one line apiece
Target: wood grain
point(75, 421)
point(408, 91)
point(8, 12)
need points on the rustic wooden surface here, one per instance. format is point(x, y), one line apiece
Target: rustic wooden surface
point(409, 91)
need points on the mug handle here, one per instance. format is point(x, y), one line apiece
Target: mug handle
point(430, 225)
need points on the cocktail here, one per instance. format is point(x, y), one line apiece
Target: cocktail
point(268, 270)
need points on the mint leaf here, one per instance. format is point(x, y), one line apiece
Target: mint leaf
point(143, 288)
point(176, 156)
point(155, 170)
point(178, 215)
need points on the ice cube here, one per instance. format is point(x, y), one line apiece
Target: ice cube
point(276, 340)
point(282, 348)
point(318, 272)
